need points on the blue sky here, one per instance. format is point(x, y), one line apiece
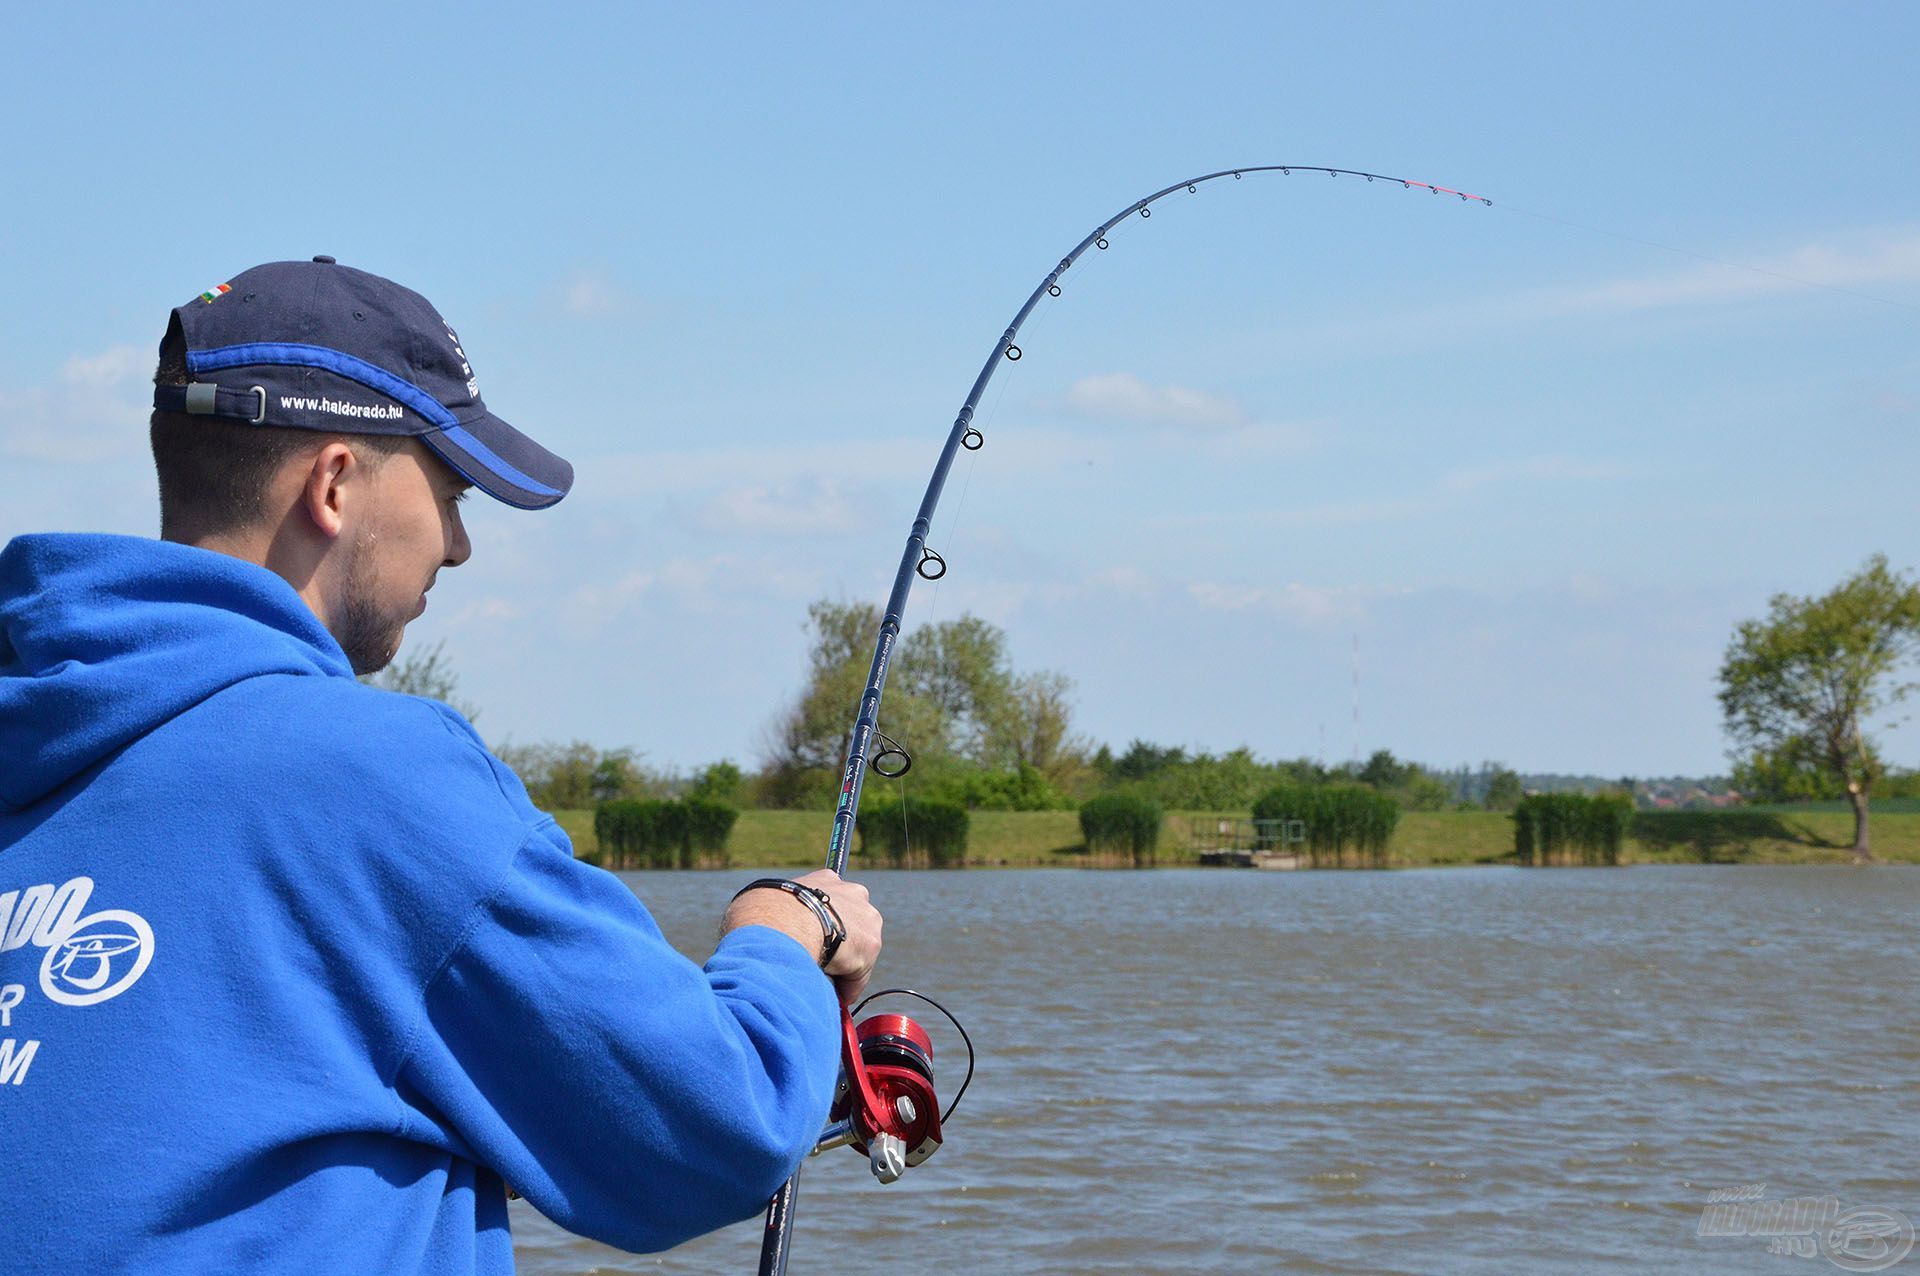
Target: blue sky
point(741, 263)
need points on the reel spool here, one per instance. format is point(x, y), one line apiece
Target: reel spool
point(886, 1093)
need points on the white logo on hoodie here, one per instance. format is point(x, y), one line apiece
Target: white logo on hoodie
point(90, 957)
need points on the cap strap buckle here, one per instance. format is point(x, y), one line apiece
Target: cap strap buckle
point(206, 398)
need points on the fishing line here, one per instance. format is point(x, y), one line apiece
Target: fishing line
point(951, 539)
point(910, 992)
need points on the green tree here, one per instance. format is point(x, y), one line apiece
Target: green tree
point(1503, 791)
point(1144, 761)
point(562, 777)
point(1384, 771)
point(559, 777)
point(1808, 674)
point(952, 700)
point(616, 774)
point(721, 783)
point(426, 672)
point(807, 744)
point(959, 670)
point(1030, 726)
point(1790, 771)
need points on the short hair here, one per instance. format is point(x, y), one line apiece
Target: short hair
point(214, 471)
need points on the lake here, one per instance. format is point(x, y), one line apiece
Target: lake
point(1443, 1070)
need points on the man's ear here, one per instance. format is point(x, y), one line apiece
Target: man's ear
point(324, 494)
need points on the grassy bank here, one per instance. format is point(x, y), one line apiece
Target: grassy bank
point(1424, 839)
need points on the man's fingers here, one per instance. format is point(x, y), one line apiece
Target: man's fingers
point(853, 964)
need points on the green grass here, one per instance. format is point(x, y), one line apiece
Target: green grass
point(1769, 836)
point(1434, 839)
point(1424, 839)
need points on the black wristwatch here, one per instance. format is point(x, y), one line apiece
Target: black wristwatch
point(834, 930)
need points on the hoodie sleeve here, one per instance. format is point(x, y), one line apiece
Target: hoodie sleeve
point(632, 1096)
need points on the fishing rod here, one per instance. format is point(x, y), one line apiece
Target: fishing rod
point(885, 1105)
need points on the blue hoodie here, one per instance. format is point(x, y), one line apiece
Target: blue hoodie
point(293, 976)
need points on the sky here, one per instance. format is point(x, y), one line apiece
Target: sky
point(1522, 467)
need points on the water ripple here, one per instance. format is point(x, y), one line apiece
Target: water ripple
point(1464, 1070)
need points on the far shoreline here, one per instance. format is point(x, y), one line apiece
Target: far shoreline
point(1424, 839)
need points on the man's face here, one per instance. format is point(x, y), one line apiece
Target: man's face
point(408, 530)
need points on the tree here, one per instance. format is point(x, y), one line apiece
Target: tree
point(805, 746)
point(722, 782)
point(1384, 771)
point(1144, 761)
point(616, 774)
point(1806, 676)
point(958, 668)
point(1031, 726)
point(575, 776)
point(426, 672)
point(1503, 791)
point(952, 700)
point(1790, 771)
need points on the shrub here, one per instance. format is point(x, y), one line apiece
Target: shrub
point(668, 848)
point(709, 824)
point(1568, 828)
point(625, 829)
point(909, 832)
point(1338, 817)
point(1025, 788)
point(661, 834)
point(1122, 823)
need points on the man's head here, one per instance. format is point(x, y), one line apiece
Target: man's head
point(325, 425)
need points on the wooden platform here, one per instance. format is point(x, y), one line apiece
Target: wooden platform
point(1252, 859)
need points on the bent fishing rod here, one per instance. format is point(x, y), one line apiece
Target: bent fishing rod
point(886, 1105)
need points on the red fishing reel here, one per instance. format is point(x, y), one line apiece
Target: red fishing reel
point(886, 1105)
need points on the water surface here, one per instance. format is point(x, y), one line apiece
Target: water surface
point(1418, 1071)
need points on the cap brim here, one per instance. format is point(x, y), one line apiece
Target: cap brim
point(502, 462)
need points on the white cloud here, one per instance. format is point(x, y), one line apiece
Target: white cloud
point(1895, 404)
point(1851, 263)
point(1124, 579)
point(488, 609)
point(1530, 469)
point(1126, 397)
point(687, 580)
point(1304, 604)
point(1181, 415)
point(1872, 265)
point(94, 410)
point(594, 294)
point(801, 508)
point(112, 369)
point(769, 465)
point(1448, 491)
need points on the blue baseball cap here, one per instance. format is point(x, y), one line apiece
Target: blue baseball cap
point(320, 346)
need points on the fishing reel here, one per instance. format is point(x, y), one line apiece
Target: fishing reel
point(886, 1105)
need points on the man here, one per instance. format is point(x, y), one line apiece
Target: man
point(292, 975)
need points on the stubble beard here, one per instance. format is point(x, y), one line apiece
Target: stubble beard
point(370, 640)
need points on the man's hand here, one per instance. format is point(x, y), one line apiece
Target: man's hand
point(853, 964)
